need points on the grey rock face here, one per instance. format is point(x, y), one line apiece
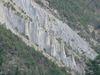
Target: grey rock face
point(47, 32)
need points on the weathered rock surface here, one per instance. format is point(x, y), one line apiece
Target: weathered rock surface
point(47, 32)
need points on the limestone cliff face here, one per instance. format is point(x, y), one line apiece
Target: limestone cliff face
point(47, 32)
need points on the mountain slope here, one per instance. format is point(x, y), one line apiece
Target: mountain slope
point(20, 59)
point(48, 33)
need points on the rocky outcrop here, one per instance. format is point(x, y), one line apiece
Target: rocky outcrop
point(47, 32)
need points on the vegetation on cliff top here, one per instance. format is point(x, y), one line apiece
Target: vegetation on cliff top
point(78, 12)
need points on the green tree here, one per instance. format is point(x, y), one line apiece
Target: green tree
point(17, 71)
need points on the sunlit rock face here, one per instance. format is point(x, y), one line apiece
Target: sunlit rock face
point(47, 32)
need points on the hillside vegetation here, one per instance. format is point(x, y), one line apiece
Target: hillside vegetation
point(93, 67)
point(16, 58)
point(78, 12)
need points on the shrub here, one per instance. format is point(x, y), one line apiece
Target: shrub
point(1, 49)
point(93, 67)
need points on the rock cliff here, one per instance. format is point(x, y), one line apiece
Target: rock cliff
point(47, 32)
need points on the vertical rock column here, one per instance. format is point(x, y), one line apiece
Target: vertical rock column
point(2, 18)
point(63, 55)
point(27, 28)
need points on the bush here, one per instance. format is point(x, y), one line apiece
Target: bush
point(93, 34)
point(93, 67)
point(17, 71)
point(1, 61)
point(97, 48)
point(1, 49)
